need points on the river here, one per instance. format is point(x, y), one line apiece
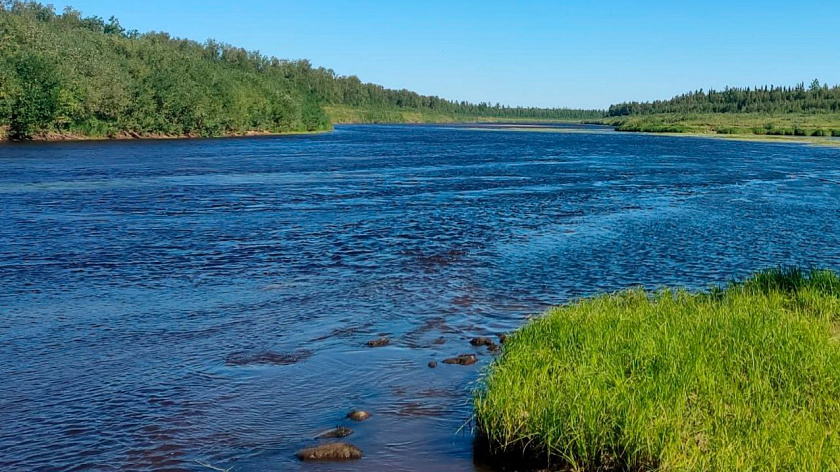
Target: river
point(164, 303)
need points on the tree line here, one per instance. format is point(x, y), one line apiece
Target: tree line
point(768, 100)
point(66, 73)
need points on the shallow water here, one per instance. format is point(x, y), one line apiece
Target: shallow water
point(139, 279)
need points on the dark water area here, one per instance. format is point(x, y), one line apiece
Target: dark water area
point(167, 302)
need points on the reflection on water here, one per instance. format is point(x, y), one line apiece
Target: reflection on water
point(168, 302)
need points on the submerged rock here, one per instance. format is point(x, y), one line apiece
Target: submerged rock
point(494, 349)
point(482, 341)
point(383, 341)
point(267, 357)
point(358, 415)
point(339, 432)
point(463, 359)
point(334, 452)
point(432, 364)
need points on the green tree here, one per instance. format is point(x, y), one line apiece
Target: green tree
point(35, 100)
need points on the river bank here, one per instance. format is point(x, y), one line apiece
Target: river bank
point(817, 128)
point(673, 380)
point(58, 136)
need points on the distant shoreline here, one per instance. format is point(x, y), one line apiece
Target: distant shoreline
point(763, 138)
point(827, 141)
point(522, 125)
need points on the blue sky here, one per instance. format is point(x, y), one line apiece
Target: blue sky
point(534, 53)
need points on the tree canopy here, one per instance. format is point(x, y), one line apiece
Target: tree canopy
point(816, 98)
point(66, 73)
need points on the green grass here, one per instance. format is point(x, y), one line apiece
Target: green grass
point(819, 125)
point(345, 114)
point(341, 114)
point(745, 377)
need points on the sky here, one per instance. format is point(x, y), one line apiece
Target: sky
point(561, 53)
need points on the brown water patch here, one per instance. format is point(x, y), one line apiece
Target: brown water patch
point(419, 336)
point(463, 301)
point(342, 333)
point(419, 409)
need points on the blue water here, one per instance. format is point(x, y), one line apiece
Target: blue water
point(140, 279)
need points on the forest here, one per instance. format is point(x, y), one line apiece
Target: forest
point(758, 111)
point(767, 100)
point(67, 75)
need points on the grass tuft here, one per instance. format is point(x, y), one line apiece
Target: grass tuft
point(742, 377)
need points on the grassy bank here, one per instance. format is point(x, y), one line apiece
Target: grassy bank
point(817, 125)
point(346, 115)
point(745, 377)
point(341, 114)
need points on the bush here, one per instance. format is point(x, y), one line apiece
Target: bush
point(35, 104)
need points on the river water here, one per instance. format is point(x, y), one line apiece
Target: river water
point(168, 302)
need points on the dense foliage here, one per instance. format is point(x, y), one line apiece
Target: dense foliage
point(69, 74)
point(765, 100)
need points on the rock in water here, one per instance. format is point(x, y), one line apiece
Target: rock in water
point(378, 342)
point(432, 364)
point(358, 415)
point(463, 359)
point(503, 338)
point(335, 452)
point(339, 432)
point(482, 341)
point(241, 359)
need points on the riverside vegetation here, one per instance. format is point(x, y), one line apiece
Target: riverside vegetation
point(65, 75)
point(745, 377)
point(768, 110)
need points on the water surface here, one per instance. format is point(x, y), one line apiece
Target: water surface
point(139, 278)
